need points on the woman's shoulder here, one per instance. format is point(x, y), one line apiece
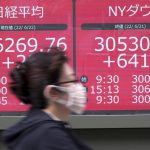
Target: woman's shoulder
point(61, 137)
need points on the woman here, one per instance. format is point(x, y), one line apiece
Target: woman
point(48, 84)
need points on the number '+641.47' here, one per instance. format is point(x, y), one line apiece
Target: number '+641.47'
point(124, 60)
point(9, 45)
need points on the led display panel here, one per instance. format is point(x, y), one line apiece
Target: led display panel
point(107, 42)
point(113, 53)
point(26, 28)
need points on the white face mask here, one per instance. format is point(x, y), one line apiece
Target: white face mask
point(76, 97)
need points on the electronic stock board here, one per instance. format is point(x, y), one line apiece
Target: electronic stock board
point(107, 42)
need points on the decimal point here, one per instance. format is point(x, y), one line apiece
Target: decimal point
point(41, 50)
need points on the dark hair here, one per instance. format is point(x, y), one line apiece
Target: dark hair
point(30, 78)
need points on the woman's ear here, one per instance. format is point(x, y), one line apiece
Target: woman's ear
point(49, 92)
point(46, 91)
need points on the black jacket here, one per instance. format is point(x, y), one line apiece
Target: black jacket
point(38, 131)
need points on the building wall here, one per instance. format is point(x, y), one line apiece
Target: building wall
point(117, 139)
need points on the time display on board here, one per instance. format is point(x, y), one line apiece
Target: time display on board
point(110, 85)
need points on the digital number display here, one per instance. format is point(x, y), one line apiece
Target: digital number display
point(108, 43)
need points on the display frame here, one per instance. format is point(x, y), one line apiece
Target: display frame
point(92, 119)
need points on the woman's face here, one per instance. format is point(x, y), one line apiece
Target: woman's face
point(69, 93)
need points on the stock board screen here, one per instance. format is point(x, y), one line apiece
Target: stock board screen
point(108, 43)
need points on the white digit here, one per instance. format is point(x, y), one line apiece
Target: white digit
point(8, 50)
point(116, 99)
point(147, 89)
point(124, 44)
point(21, 47)
point(140, 89)
point(108, 43)
point(32, 42)
point(147, 43)
point(110, 77)
point(99, 78)
point(141, 78)
point(122, 62)
point(116, 89)
point(1, 46)
point(135, 79)
point(99, 99)
point(100, 44)
point(52, 40)
point(110, 99)
point(147, 99)
point(147, 79)
point(93, 90)
point(145, 61)
point(3, 80)
point(115, 79)
point(133, 60)
point(141, 99)
point(3, 90)
point(99, 89)
point(60, 42)
point(22, 57)
point(134, 89)
point(4, 100)
point(134, 100)
point(135, 40)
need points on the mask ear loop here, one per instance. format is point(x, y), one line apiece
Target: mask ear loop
point(59, 88)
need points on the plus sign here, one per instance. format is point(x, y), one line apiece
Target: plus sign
point(109, 61)
point(8, 62)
